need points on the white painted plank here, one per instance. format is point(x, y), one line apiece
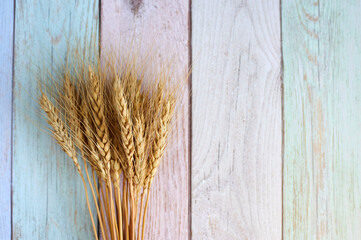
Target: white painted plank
point(236, 120)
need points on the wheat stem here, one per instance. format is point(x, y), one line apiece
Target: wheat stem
point(102, 209)
point(145, 212)
point(89, 209)
point(106, 206)
point(140, 212)
point(94, 197)
point(132, 230)
point(120, 216)
point(114, 225)
point(125, 201)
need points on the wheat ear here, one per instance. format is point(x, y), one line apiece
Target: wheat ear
point(60, 133)
point(159, 142)
point(125, 127)
point(97, 108)
point(140, 146)
point(91, 151)
point(70, 102)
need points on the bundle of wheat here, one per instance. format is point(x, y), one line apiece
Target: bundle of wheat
point(118, 125)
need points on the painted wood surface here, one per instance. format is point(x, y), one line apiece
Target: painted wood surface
point(236, 120)
point(322, 86)
point(6, 76)
point(159, 28)
point(48, 195)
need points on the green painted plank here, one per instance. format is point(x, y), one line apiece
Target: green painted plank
point(322, 119)
point(6, 77)
point(48, 196)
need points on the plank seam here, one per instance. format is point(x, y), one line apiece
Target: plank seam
point(282, 116)
point(99, 26)
point(190, 118)
point(12, 122)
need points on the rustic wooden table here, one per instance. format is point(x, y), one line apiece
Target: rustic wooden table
point(268, 136)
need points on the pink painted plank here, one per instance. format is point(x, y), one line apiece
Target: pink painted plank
point(6, 76)
point(161, 26)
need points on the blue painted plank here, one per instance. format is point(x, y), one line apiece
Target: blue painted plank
point(48, 195)
point(322, 119)
point(6, 66)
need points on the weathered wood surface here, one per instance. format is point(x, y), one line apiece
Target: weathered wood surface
point(236, 117)
point(6, 72)
point(322, 86)
point(236, 120)
point(161, 28)
point(48, 195)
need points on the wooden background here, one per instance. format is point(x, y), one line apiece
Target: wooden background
point(268, 139)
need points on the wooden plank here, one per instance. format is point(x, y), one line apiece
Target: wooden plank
point(6, 77)
point(322, 85)
point(159, 27)
point(236, 120)
point(48, 195)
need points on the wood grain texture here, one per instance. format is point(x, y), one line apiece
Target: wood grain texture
point(48, 195)
point(160, 29)
point(6, 77)
point(322, 86)
point(236, 120)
